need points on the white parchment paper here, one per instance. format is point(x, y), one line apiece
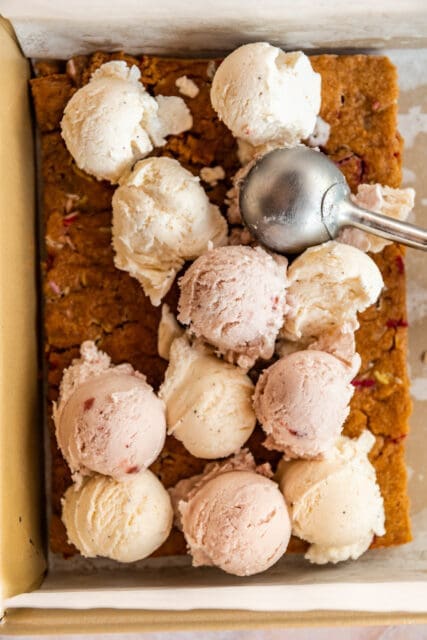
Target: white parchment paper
point(206, 27)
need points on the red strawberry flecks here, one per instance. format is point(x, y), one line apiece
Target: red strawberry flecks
point(363, 383)
point(69, 219)
point(400, 264)
point(352, 166)
point(53, 364)
point(134, 469)
point(49, 262)
point(275, 302)
point(344, 160)
point(394, 324)
point(398, 439)
point(88, 404)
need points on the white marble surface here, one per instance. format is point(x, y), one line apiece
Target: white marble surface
point(413, 632)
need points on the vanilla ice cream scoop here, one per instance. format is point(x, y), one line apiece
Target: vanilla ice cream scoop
point(335, 503)
point(124, 521)
point(161, 218)
point(112, 121)
point(237, 521)
point(395, 203)
point(266, 95)
point(328, 285)
point(234, 298)
point(302, 401)
point(108, 419)
point(208, 402)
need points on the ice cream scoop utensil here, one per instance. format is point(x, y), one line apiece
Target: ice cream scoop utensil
point(295, 198)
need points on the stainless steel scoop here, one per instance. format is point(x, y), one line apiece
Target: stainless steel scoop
point(295, 198)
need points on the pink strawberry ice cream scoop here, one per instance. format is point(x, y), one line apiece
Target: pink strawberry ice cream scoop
point(302, 401)
point(108, 419)
point(236, 520)
point(234, 298)
point(187, 488)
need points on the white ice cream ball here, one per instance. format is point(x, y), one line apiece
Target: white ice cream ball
point(208, 402)
point(124, 521)
point(104, 123)
point(264, 94)
point(335, 503)
point(161, 218)
point(112, 121)
point(329, 285)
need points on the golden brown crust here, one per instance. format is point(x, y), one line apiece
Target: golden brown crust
point(381, 401)
point(87, 298)
point(359, 101)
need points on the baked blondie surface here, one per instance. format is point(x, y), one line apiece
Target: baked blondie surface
point(86, 297)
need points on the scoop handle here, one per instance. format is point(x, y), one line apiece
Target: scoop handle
point(339, 212)
point(384, 226)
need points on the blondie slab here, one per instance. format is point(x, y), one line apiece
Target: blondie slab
point(85, 297)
